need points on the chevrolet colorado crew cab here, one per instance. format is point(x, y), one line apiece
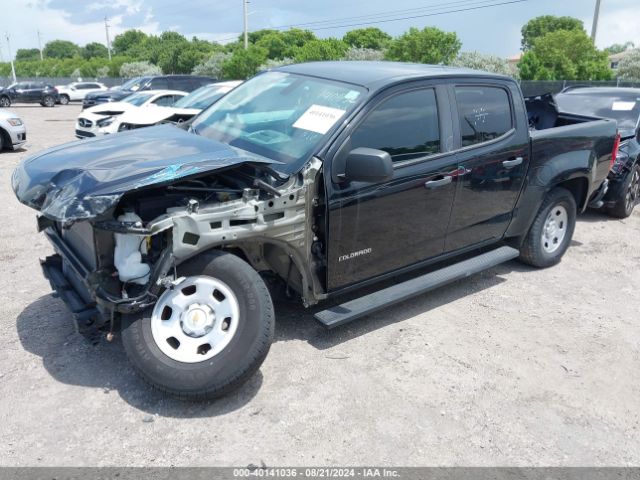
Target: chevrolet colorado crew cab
point(326, 176)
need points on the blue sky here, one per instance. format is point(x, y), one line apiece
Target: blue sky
point(494, 30)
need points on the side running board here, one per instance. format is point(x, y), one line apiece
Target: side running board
point(347, 312)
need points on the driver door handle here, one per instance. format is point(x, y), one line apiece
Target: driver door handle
point(513, 162)
point(439, 183)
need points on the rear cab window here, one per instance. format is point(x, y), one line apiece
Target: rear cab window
point(484, 113)
point(406, 126)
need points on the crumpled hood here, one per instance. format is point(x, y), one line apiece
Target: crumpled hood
point(86, 179)
point(149, 116)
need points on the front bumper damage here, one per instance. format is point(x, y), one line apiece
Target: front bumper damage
point(90, 304)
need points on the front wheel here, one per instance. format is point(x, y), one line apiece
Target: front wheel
point(5, 102)
point(64, 100)
point(629, 195)
point(207, 335)
point(551, 231)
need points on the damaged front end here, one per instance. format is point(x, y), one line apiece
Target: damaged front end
point(121, 229)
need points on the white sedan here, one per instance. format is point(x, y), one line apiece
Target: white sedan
point(13, 133)
point(76, 91)
point(103, 119)
point(181, 111)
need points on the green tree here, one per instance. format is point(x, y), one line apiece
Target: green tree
point(430, 45)
point(244, 63)
point(25, 54)
point(212, 67)
point(94, 50)
point(138, 69)
point(318, 50)
point(127, 42)
point(487, 63)
point(629, 66)
point(619, 48)
point(255, 36)
point(296, 38)
point(565, 55)
point(363, 54)
point(540, 26)
point(274, 44)
point(61, 49)
point(372, 38)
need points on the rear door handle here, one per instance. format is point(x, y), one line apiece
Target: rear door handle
point(512, 163)
point(439, 183)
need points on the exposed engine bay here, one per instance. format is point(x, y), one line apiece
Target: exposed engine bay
point(248, 210)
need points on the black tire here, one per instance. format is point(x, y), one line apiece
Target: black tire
point(629, 195)
point(48, 101)
point(232, 366)
point(5, 102)
point(2, 134)
point(533, 251)
point(64, 99)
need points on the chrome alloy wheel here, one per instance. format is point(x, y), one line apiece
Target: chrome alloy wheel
point(195, 320)
point(633, 192)
point(555, 229)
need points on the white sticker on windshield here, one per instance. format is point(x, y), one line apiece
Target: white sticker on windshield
point(623, 106)
point(352, 95)
point(319, 119)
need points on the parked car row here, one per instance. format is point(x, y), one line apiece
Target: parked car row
point(320, 178)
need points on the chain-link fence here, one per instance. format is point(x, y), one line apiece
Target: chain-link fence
point(536, 87)
point(109, 81)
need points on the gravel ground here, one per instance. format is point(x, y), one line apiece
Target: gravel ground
point(513, 366)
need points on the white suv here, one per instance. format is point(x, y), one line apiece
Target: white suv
point(76, 91)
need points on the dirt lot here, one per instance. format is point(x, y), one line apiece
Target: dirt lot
point(514, 366)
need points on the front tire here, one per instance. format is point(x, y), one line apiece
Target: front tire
point(629, 195)
point(64, 100)
point(551, 231)
point(5, 102)
point(207, 335)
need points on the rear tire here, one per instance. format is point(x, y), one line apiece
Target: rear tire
point(64, 100)
point(180, 374)
point(629, 195)
point(551, 231)
point(5, 102)
point(48, 101)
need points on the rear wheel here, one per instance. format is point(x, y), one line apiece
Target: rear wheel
point(207, 335)
point(48, 101)
point(551, 231)
point(64, 99)
point(5, 102)
point(629, 195)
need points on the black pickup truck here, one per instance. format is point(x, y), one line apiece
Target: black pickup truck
point(326, 176)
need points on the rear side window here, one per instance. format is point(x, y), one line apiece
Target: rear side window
point(484, 112)
point(183, 84)
point(159, 84)
point(405, 126)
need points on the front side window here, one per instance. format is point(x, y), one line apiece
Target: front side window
point(279, 115)
point(138, 99)
point(165, 101)
point(484, 113)
point(405, 126)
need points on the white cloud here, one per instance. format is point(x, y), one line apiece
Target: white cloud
point(131, 7)
point(24, 19)
point(616, 26)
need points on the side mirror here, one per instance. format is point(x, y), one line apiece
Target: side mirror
point(368, 165)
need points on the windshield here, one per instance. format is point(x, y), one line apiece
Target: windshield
point(202, 97)
point(278, 115)
point(133, 84)
point(138, 99)
point(623, 108)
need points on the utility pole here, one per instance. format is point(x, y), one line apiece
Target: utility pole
point(596, 15)
point(40, 46)
point(246, 23)
point(13, 68)
point(106, 29)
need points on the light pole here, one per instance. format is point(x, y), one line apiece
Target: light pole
point(13, 68)
point(594, 29)
point(40, 46)
point(106, 30)
point(246, 23)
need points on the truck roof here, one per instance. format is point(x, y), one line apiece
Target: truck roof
point(374, 75)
